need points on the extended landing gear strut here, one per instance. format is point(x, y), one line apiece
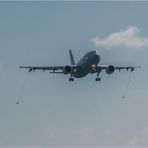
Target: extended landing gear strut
point(71, 79)
point(98, 78)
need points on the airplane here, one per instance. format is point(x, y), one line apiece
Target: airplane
point(88, 64)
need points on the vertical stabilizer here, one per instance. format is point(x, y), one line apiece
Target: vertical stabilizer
point(71, 58)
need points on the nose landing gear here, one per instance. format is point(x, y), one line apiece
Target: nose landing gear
point(98, 78)
point(71, 79)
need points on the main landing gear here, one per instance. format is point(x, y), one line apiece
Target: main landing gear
point(71, 79)
point(98, 79)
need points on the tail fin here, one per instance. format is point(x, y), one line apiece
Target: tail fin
point(71, 58)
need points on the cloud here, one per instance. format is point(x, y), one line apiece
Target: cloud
point(127, 38)
point(145, 131)
point(140, 140)
point(132, 142)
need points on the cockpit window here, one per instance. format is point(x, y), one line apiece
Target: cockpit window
point(91, 52)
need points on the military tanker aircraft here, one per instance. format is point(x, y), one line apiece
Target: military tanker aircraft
point(88, 64)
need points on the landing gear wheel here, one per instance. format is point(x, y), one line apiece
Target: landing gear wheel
point(71, 79)
point(98, 79)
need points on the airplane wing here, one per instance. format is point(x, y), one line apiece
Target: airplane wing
point(132, 68)
point(111, 68)
point(54, 69)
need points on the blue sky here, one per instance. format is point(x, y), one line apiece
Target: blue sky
point(54, 112)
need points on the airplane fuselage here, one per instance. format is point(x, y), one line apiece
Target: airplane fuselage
point(85, 64)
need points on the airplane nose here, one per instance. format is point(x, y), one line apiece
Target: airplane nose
point(97, 55)
point(97, 52)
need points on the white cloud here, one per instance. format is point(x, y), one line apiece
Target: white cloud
point(145, 131)
point(127, 38)
point(132, 142)
point(140, 140)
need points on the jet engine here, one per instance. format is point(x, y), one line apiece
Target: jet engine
point(110, 69)
point(67, 69)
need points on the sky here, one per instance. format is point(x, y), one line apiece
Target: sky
point(55, 112)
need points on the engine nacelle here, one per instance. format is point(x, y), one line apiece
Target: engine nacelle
point(67, 69)
point(110, 69)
